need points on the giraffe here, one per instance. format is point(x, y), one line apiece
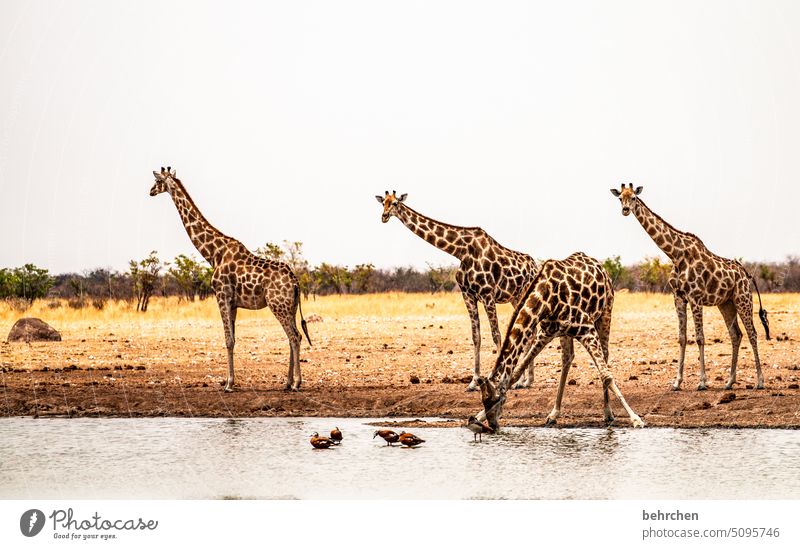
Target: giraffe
point(489, 273)
point(240, 279)
point(569, 299)
point(701, 278)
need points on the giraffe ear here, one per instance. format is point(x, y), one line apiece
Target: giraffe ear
point(157, 175)
point(638, 190)
point(379, 199)
point(403, 197)
point(615, 192)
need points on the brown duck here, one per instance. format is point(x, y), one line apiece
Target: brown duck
point(336, 435)
point(389, 436)
point(321, 443)
point(478, 428)
point(407, 439)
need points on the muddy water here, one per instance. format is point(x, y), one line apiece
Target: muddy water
point(272, 458)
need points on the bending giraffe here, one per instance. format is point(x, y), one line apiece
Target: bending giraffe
point(489, 273)
point(240, 278)
point(700, 278)
point(569, 299)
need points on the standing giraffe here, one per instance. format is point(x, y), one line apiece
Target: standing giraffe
point(240, 279)
point(489, 272)
point(570, 299)
point(701, 278)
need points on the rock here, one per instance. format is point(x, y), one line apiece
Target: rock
point(33, 329)
point(314, 318)
point(727, 397)
point(414, 379)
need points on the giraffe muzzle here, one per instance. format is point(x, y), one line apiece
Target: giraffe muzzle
point(626, 211)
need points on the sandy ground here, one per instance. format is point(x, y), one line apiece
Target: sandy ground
point(384, 356)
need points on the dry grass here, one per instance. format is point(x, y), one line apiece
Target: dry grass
point(388, 305)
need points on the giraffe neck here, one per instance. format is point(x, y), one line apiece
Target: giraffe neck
point(205, 237)
point(671, 241)
point(448, 238)
point(512, 348)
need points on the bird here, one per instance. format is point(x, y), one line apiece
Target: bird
point(321, 443)
point(478, 428)
point(336, 435)
point(389, 436)
point(407, 439)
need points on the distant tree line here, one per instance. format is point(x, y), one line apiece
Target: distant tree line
point(189, 278)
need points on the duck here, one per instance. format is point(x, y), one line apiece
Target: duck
point(321, 443)
point(407, 439)
point(389, 436)
point(336, 435)
point(478, 428)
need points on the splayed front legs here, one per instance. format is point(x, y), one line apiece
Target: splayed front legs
point(567, 355)
point(592, 345)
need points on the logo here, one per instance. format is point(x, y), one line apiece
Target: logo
point(31, 522)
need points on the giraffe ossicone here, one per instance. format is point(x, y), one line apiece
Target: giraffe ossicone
point(700, 278)
point(240, 279)
point(488, 272)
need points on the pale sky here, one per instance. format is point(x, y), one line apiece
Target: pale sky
point(284, 119)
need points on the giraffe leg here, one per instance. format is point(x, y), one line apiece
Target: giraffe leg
point(697, 316)
point(228, 312)
point(471, 301)
point(591, 342)
point(567, 354)
point(744, 307)
point(294, 378)
point(604, 334)
point(680, 309)
point(728, 310)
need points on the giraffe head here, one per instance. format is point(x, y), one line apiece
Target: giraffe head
point(627, 197)
point(493, 397)
point(390, 203)
point(165, 180)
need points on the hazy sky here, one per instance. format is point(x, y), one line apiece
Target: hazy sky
point(284, 119)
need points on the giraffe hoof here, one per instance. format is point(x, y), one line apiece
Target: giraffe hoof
point(521, 386)
point(287, 387)
point(760, 385)
point(729, 385)
point(676, 386)
point(701, 386)
point(228, 389)
point(471, 387)
point(637, 423)
point(551, 422)
point(609, 420)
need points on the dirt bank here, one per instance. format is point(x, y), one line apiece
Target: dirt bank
point(410, 363)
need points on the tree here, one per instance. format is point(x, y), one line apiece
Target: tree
point(332, 278)
point(192, 277)
point(618, 273)
point(32, 282)
point(145, 275)
point(655, 274)
point(361, 276)
point(442, 279)
point(7, 283)
point(270, 250)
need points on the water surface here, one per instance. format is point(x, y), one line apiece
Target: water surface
point(180, 458)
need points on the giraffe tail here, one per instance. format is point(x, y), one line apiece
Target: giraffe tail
point(762, 313)
point(303, 320)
